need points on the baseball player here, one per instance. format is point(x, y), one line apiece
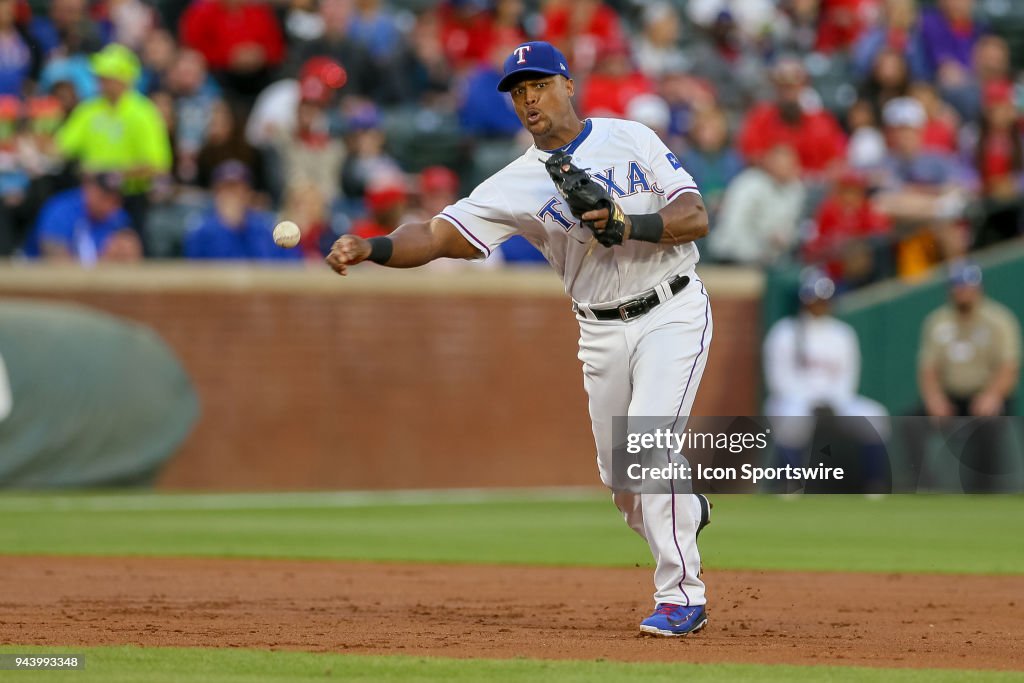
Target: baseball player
point(621, 237)
point(812, 364)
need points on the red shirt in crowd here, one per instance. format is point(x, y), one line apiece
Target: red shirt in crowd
point(838, 222)
point(216, 30)
point(817, 138)
point(582, 41)
point(469, 40)
point(842, 22)
point(610, 95)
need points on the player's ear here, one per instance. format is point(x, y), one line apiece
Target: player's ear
point(570, 86)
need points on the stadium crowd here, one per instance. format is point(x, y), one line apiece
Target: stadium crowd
point(870, 137)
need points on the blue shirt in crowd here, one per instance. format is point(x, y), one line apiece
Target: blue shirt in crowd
point(63, 220)
point(15, 63)
point(484, 110)
point(252, 240)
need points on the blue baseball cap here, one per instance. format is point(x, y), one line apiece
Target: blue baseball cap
point(964, 273)
point(816, 285)
point(533, 57)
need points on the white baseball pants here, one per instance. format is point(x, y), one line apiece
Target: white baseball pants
point(651, 366)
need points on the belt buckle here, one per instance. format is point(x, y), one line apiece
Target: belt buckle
point(633, 309)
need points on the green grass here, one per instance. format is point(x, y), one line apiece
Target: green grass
point(160, 665)
point(967, 534)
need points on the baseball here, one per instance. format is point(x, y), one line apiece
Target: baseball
point(286, 234)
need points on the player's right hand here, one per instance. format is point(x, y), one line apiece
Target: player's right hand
point(348, 250)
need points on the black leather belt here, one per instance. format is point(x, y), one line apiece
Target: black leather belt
point(640, 305)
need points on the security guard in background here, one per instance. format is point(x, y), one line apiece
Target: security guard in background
point(968, 365)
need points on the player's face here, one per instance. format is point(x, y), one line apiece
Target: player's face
point(542, 104)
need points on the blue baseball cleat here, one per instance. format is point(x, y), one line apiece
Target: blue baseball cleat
point(674, 620)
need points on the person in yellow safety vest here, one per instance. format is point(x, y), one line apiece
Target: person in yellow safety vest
point(121, 130)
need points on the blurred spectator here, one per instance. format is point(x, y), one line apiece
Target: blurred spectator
point(657, 50)
point(158, 55)
point(897, 31)
point(940, 126)
point(652, 111)
point(613, 84)
point(798, 26)
point(813, 132)
point(754, 18)
point(812, 367)
point(968, 366)
point(38, 146)
point(484, 111)
point(194, 94)
point(841, 22)
point(70, 80)
point(730, 62)
point(87, 224)
point(241, 40)
point(582, 29)
point(128, 22)
point(231, 229)
point(366, 159)
point(889, 79)
point(711, 158)
point(760, 212)
point(20, 55)
point(66, 29)
point(310, 153)
point(274, 112)
point(119, 131)
point(999, 160)
point(438, 188)
point(466, 30)
point(365, 77)
point(684, 95)
point(948, 36)
point(302, 21)
point(923, 191)
point(375, 28)
point(224, 142)
point(421, 72)
point(305, 205)
point(509, 21)
point(848, 234)
point(866, 149)
point(14, 178)
point(991, 64)
point(386, 203)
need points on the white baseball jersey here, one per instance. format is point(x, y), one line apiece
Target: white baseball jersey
point(639, 172)
point(810, 362)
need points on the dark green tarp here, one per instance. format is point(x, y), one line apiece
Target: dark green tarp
point(97, 400)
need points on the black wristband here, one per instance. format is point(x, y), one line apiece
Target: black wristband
point(380, 249)
point(647, 227)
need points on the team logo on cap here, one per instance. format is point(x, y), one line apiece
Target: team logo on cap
point(520, 52)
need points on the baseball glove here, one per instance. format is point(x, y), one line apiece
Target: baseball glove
point(583, 195)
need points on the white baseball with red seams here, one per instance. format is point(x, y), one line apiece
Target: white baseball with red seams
point(647, 366)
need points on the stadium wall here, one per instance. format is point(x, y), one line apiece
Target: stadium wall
point(454, 378)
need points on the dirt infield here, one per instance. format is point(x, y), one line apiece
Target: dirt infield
point(483, 611)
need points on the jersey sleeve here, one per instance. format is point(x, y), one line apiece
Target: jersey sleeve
point(669, 173)
point(484, 217)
